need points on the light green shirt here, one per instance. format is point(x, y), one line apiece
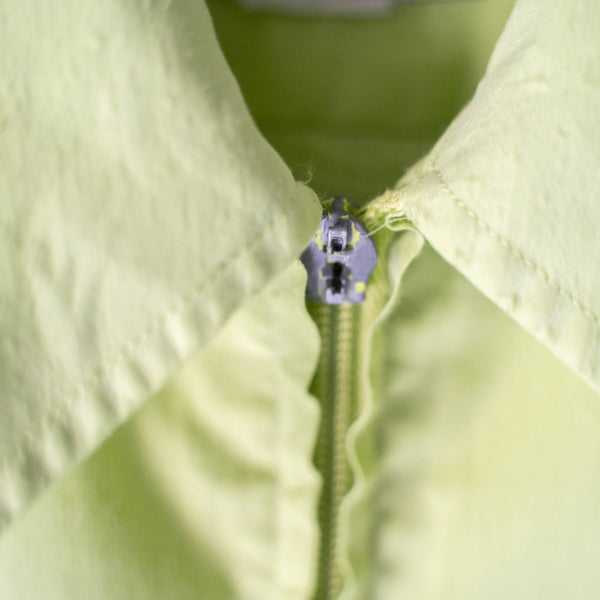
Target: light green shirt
point(156, 430)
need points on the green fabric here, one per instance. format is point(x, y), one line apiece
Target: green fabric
point(487, 473)
point(129, 236)
point(148, 260)
point(207, 492)
point(509, 194)
point(352, 103)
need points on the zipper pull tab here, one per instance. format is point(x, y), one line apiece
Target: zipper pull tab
point(340, 257)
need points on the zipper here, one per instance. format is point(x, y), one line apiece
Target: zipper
point(339, 262)
point(336, 385)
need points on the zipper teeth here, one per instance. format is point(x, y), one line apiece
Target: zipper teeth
point(340, 386)
point(336, 385)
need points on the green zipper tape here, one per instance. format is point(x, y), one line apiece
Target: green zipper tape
point(340, 386)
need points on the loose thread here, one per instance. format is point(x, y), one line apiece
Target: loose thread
point(375, 230)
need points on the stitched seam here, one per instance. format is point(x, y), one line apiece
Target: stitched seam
point(18, 457)
point(517, 253)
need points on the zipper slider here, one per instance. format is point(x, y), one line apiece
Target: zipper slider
point(340, 257)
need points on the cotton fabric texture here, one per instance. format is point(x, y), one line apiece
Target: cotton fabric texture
point(156, 432)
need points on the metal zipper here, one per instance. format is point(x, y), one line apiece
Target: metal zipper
point(339, 261)
point(340, 258)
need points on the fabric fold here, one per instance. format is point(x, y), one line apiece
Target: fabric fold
point(509, 195)
point(132, 225)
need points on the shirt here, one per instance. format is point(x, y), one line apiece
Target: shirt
point(157, 421)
